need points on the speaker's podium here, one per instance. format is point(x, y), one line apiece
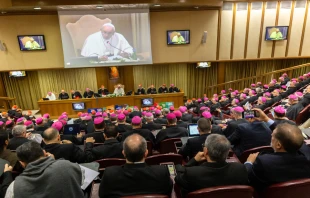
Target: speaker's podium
point(6, 103)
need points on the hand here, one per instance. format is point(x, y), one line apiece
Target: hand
point(103, 58)
point(262, 115)
point(200, 156)
point(7, 168)
point(47, 154)
point(28, 134)
point(79, 135)
point(90, 139)
point(252, 157)
point(66, 142)
point(222, 125)
point(219, 110)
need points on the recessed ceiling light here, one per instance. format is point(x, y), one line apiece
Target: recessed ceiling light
point(128, 5)
point(196, 7)
point(3, 12)
point(99, 7)
point(37, 8)
point(157, 5)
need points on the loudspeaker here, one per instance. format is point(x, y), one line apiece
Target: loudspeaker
point(204, 37)
point(2, 46)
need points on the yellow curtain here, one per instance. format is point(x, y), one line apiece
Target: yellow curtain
point(160, 74)
point(67, 79)
point(26, 90)
point(199, 79)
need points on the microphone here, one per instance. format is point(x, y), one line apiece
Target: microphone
point(108, 42)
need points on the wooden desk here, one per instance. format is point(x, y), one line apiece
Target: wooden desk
point(6, 103)
point(56, 107)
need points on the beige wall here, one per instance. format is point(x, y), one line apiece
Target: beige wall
point(196, 21)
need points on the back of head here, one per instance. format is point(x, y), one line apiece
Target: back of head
point(289, 136)
point(135, 147)
point(204, 125)
point(218, 147)
point(110, 131)
point(18, 130)
point(3, 138)
point(50, 134)
point(29, 152)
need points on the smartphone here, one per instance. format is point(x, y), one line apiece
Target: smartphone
point(248, 114)
point(272, 112)
point(171, 170)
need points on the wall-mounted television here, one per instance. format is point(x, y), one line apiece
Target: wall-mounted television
point(17, 73)
point(31, 42)
point(178, 37)
point(276, 33)
point(147, 102)
point(78, 106)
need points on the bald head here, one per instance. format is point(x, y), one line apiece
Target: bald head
point(135, 148)
point(289, 136)
point(50, 135)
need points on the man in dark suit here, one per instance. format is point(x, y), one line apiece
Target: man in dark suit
point(276, 97)
point(160, 119)
point(103, 90)
point(121, 125)
point(306, 99)
point(180, 122)
point(151, 90)
point(62, 149)
point(173, 89)
point(237, 119)
point(294, 107)
point(63, 95)
point(284, 164)
point(194, 145)
point(88, 93)
point(76, 94)
point(138, 177)
point(20, 137)
point(250, 135)
point(136, 124)
point(215, 171)
point(163, 89)
point(172, 130)
point(99, 125)
point(140, 90)
point(150, 125)
point(111, 148)
point(186, 117)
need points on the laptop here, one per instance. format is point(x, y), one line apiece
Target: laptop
point(46, 99)
point(192, 132)
point(71, 129)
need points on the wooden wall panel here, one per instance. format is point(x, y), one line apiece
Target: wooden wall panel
point(254, 32)
point(225, 34)
point(284, 20)
point(203, 51)
point(240, 32)
point(269, 20)
point(306, 44)
point(296, 31)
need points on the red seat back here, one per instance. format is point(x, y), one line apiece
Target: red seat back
point(104, 163)
point(303, 115)
point(296, 188)
point(149, 148)
point(147, 196)
point(168, 145)
point(223, 192)
point(244, 156)
point(164, 158)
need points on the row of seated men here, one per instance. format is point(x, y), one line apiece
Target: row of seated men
point(207, 168)
point(102, 91)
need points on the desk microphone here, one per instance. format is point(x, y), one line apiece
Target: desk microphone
point(108, 42)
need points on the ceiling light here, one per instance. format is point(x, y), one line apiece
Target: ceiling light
point(3, 12)
point(157, 5)
point(196, 7)
point(37, 8)
point(99, 7)
point(128, 5)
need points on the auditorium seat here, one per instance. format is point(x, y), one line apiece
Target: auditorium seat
point(244, 156)
point(295, 188)
point(239, 191)
point(147, 196)
point(303, 115)
point(168, 145)
point(104, 163)
point(149, 148)
point(164, 158)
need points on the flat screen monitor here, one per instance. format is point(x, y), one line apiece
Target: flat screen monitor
point(193, 131)
point(31, 42)
point(17, 73)
point(178, 37)
point(276, 33)
point(147, 102)
point(110, 38)
point(78, 106)
point(71, 129)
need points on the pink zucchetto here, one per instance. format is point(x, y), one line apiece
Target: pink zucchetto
point(46, 115)
point(98, 120)
point(64, 113)
point(152, 108)
point(233, 93)
point(99, 114)
point(298, 94)
point(259, 83)
point(177, 114)
point(281, 78)
point(57, 125)
point(279, 109)
point(171, 108)
point(238, 109)
point(199, 100)
point(292, 97)
point(236, 91)
point(157, 112)
point(223, 91)
point(266, 86)
point(20, 119)
point(1, 123)
point(283, 86)
point(267, 94)
point(104, 115)
point(121, 116)
point(224, 97)
point(171, 116)
point(126, 112)
point(230, 89)
point(301, 77)
point(118, 111)
point(88, 117)
point(284, 74)
point(8, 122)
point(264, 100)
point(27, 123)
point(136, 120)
point(215, 95)
point(236, 101)
point(205, 99)
point(39, 121)
point(206, 114)
point(148, 114)
point(143, 113)
point(112, 115)
point(253, 85)
point(182, 109)
point(242, 96)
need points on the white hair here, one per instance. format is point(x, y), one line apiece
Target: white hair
point(109, 25)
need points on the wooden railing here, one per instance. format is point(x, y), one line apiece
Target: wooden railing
point(259, 78)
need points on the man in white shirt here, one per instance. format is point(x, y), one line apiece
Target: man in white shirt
point(106, 43)
point(119, 91)
point(51, 96)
